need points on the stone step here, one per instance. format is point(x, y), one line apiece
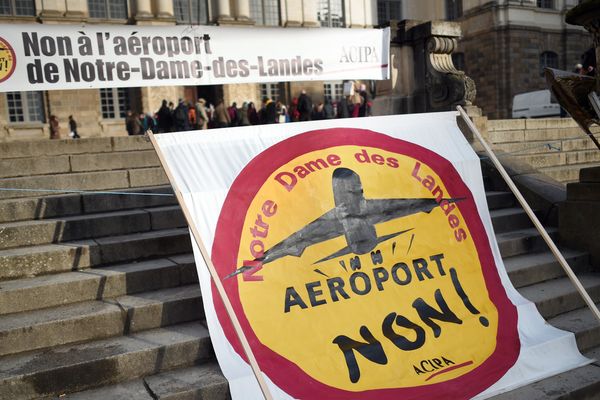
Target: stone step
point(546, 146)
point(582, 383)
point(39, 148)
point(96, 284)
point(583, 324)
point(523, 241)
point(509, 219)
point(559, 295)
point(73, 368)
point(198, 382)
point(85, 226)
point(22, 149)
point(64, 164)
point(539, 133)
point(82, 181)
point(70, 256)
point(496, 200)
point(93, 320)
point(37, 208)
point(560, 158)
point(104, 180)
point(114, 160)
point(528, 269)
point(567, 173)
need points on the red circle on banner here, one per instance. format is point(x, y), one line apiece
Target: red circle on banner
point(286, 374)
point(8, 55)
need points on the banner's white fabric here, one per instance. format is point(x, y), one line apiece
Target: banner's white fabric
point(46, 57)
point(204, 165)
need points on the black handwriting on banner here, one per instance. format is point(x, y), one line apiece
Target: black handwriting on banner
point(371, 348)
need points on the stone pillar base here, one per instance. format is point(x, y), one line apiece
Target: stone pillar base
point(311, 24)
point(579, 215)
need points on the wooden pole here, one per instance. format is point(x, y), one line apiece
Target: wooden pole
point(213, 273)
point(532, 216)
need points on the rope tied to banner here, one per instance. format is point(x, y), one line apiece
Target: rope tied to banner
point(81, 191)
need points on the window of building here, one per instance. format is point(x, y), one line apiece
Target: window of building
point(17, 7)
point(25, 106)
point(458, 59)
point(270, 90)
point(265, 12)
point(545, 4)
point(193, 12)
point(334, 90)
point(454, 9)
point(108, 9)
point(548, 59)
point(330, 13)
point(114, 102)
point(388, 10)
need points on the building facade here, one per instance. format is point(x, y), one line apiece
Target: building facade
point(24, 115)
point(507, 43)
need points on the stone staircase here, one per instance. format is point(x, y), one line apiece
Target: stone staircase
point(556, 147)
point(99, 296)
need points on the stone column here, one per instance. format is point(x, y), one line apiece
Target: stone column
point(439, 86)
point(578, 216)
point(75, 9)
point(293, 13)
point(164, 11)
point(52, 9)
point(356, 19)
point(224, 12)
point(243, 10)
point(370, 17)
point(309, 8)
point(143, 10)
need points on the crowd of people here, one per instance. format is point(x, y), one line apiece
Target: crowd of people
point(202, 115)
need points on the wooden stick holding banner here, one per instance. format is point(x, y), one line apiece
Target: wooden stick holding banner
point(532, 216)
point(213, 273)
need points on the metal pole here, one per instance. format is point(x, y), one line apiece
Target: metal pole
point(213, 273)
point(586, 297)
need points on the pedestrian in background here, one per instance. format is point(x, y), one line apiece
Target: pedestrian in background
point(221, 115)
point(165, 120)
point(132, 124)
point(54, 127)
point(305, 107)
point(73, 128)
point(181, 121)
point(201, 115)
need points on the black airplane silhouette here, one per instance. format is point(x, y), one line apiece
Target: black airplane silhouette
point(353, 216)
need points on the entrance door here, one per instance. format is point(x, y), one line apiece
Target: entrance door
point(210, 93)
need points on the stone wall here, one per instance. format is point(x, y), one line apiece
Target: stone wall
point(556, 147)
point(505, 61)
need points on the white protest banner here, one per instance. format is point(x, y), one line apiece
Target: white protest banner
point(45, 57)
point(360, 260)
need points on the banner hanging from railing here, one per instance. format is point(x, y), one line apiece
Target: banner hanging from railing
point(46, 57)
point(360, 259)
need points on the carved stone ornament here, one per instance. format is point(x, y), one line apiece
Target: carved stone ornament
point(446, 86)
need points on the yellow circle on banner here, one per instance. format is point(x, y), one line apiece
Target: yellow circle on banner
point(412, 311)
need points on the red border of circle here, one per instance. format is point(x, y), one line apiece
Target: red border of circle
point(287, 375)
point(14, 60)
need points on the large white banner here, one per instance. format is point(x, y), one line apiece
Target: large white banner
point(360, 259)
point(45, 57)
